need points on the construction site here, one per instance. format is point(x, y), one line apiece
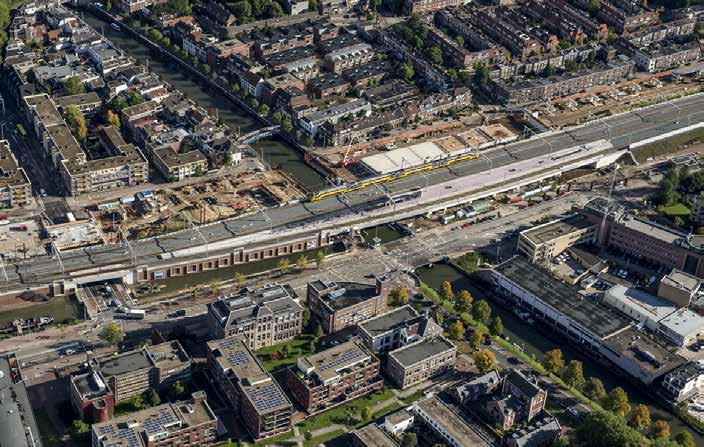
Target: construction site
point(169, 209)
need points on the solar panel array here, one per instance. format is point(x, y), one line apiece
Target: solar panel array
point(267, 397)
point(158, 423)
point(126, 437)
point(345, 357)
point(237, 358)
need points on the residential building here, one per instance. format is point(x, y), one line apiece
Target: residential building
point(526, 92)
point(370, 73)
point(447, 424)
point(343, 372)
point(328, 85)
point(623, 15)
point(312, 122)
point(176, 166)
point(431, 77)
point(186, 423)
point(530, 396)
point(460, 21)
point(396, 328)
point(666, 55)
point(15, 187)
point(679, 288)
point(544, 242)
point(398, 422)
point(420, 361)
point(392, 94)
point(662, 31)
point(151, 367)
point(684, 382)
point(87, 103)
point(20, 428)
point(338, 305)
point(133, 6)
point(345, 58)
point(478, 387)
point(425, 6)
point(262, 317)
point(541, 432)
point(372, 436)
point(274, 40)
point(248, 388)
point(91, 397)
point(292, 60)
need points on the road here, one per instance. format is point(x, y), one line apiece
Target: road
point(621, 129)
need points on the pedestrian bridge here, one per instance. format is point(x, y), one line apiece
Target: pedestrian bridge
point(256, 135)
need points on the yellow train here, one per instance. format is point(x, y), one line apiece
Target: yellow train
point(391, 177)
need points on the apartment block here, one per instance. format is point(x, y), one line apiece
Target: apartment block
point(133, 6)
point(344, 58)
point(425, 6)
point(446, 423)
point(544, 242)
point(460, 22)
point(338, 305)
point(667, 30)
point(91, 398)
point(274, 40)
point(337, 374)
point(420, 361)
point(248, 388)
point(532, 398)
point(135, 372)
point(666, 54)
point(396, 328)
point(15, 187)
point(189, 423)
point(262, 317)
point(683, 383)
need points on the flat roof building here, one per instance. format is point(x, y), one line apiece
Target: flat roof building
point(15, 187)
point(18, 427)
point(447, 424)
point(544, 242)
point(684, 382)
point(372, 436)
point(249, 388)
point(343, 372)
point(681, 327)
point(420, 361)
point(679, 288)
point(190, 422)
point(639, 305)
point(338, 305)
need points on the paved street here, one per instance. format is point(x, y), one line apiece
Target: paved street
point(331, 212)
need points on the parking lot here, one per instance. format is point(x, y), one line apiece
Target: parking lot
point(19, 240)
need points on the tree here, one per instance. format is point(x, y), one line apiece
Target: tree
point(155, 35)
point(302, 262)
point(475, 340)
point(484, 360)
point(283, 265)
point(435, 54)
point(496, 326)
point(77, 122)
point(73, 86)
point(111, 333)
point(594, 6)
point(153, 398)
point(318, 331)
point(308, 435)
point(112, 118)
point(553, 361)
point(481, 74)
point(79, 430)
point(366, 414)
point(459, 40)
point(481, 311)
point(640, 417)
point(240, 279)
point(446, 292)
point(685, 439)
point(286, 125)
point(319, 258)
point(241, 9)
point(660, 429)
point(594, 389)
point(617, 401)
point(456, 330)
point(235, 88)
point(264, 109)
point(398, 297)
point(176, 391)
point(137, 402)
point(601, 428)
point(276, 117)
point(409, 440)
point(574, 374)
point(406, 71)
point(312, 5)
point(463, 302)
point(562, 441)
point(439, 315)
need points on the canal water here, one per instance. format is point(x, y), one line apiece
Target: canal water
point(534, 342)
point(386, 233)
point(277, 152)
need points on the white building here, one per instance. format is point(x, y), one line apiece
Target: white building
point(681, 327)
point(684, 382)
point(639, 305)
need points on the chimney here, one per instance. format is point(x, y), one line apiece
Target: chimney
point(383, 285)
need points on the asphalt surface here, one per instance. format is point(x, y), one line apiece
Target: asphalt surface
point(621, 130)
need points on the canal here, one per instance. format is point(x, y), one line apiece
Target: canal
point(535, 342)
point(277, 153)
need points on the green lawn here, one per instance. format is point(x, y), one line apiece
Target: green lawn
point(678, 209)
point(323, 438)
point(339, 414)
point(298, 347)
point(273, 440)
point(62, 308)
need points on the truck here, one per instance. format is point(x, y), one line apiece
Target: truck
point(134, 314)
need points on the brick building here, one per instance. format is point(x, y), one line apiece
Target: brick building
point(248, 388)
point(189, 423)
point(396, 328)
point(263, 317)
point(338, 305)
point(91, 397)
point(332, 376)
